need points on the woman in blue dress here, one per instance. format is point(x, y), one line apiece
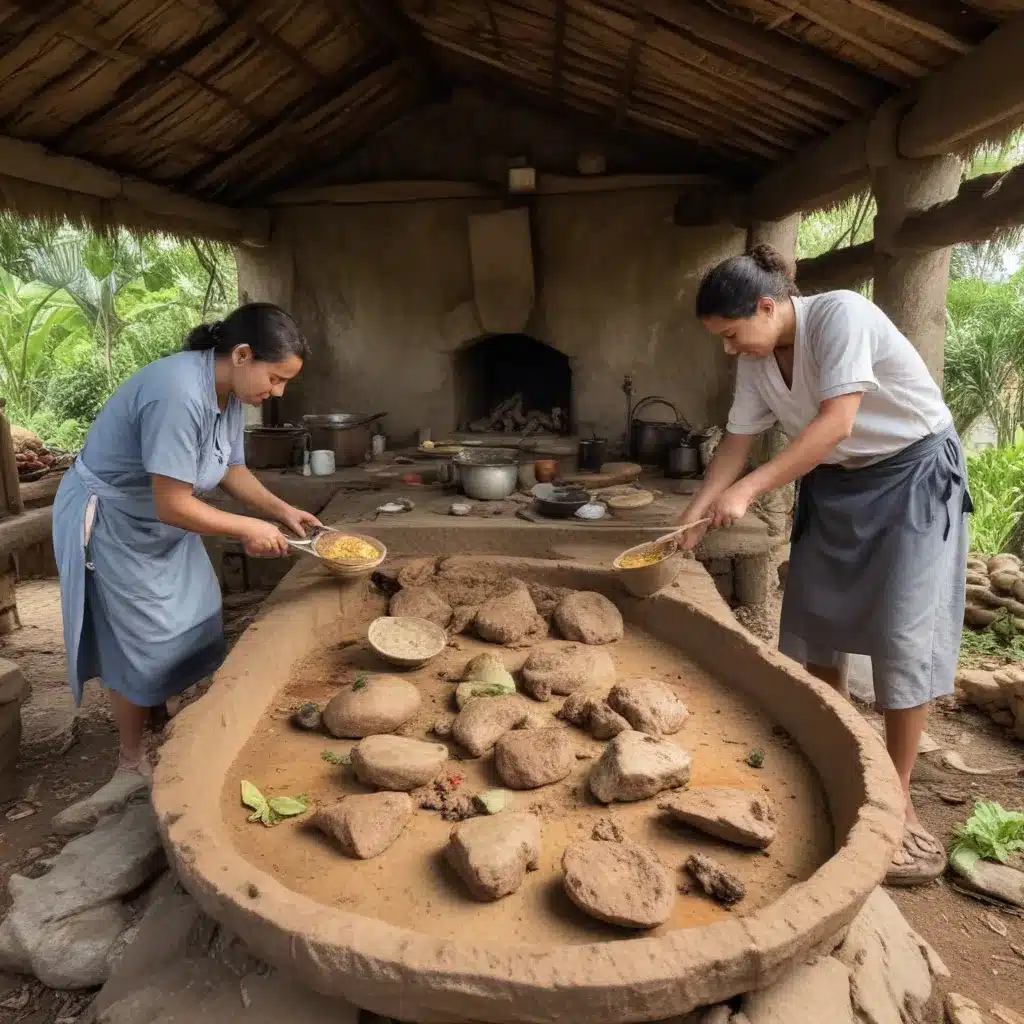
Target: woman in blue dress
point(141, 602)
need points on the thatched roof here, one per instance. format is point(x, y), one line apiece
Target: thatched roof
point(234, 100)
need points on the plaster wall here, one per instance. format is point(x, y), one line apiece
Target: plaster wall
point(374, 286)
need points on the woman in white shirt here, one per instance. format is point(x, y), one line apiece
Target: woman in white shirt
point(879, 546)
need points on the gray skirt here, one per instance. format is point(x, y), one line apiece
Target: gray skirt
point(878, 567)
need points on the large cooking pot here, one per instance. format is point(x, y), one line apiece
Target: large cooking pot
point(487, 474)
point(273, 447)
point(349, 435)
point(649, 440)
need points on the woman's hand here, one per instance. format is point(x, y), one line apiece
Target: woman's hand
point(691, 514)
point(732, 505)
point(263, 539)
point(297, 521)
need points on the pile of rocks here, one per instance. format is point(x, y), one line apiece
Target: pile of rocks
point(995, 593)
point(999, 693)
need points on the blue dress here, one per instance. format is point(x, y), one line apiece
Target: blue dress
point(140, 600)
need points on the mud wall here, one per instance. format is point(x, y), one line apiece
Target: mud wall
point(374, 286)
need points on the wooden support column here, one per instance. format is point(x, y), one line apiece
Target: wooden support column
point(776, 507)
point(911, 286)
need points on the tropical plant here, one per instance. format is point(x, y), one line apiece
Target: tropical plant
point(34, 320)
point(995, 477)
point(984, 355)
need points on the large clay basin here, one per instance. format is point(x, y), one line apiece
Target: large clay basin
point(410, 975)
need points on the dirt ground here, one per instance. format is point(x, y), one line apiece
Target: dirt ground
point(65, 756)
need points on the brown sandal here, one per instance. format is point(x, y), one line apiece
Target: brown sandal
point(920, 860)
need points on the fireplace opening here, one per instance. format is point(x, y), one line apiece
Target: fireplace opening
point(514, 384)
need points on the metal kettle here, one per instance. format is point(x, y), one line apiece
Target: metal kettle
point(651, 440)
point(683, 459)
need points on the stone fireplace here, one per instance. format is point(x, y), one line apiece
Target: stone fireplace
point(512, 383)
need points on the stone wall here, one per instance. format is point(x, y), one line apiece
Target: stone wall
point(374, 286)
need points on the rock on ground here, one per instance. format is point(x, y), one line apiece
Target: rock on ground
point(649, 706)
point(564, 668)
point(621, 883)
point(62, 926)
point(635, 766)
point(587, 710)
point(740, 816)
point(367, 824)
point(493, 854)
point(1000, 881)
point(588, 618)
point(529, 758)
point(719, 884)
point(508, 619)
point(81, 817)
point(808, 994)
point(421, 603)
point(182, 968)
point(397, 762)
point(370, 706)
point(891, 966)
point(483, 721)
point(961, 1010)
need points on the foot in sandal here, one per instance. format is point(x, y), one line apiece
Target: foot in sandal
point(920, 859)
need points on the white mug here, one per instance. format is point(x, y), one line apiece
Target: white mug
point(322, 462)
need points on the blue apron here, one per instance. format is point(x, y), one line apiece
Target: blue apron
point(141, 602)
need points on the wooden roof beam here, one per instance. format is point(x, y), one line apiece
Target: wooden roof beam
point(151, 77)
point(34, 20)
point(949, 110)
point(299, 108)
point(778, 52)
point(558, 48)
point(241, 12)
point(397, 29)
point(642, 26)
point(33, 163)
point(982, 208)
point(924, 29)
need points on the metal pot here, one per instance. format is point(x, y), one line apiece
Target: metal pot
point(650, 440)
point(273, 447)
point(347, 434)
point(683, 459)
point(591, 454)
point(486, 475)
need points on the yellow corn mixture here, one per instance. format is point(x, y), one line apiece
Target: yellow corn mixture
point(335, 548)
point(642, 558)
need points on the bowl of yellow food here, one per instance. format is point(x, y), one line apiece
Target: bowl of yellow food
point(348, 554)
point(647, 568)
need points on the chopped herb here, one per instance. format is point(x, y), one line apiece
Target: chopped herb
point(755, 758)
point(332, 758)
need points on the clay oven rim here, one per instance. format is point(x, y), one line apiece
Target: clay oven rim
point(414, 976)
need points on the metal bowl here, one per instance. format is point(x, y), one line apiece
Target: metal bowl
point(488, 474)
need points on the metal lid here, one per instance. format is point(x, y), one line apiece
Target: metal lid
point(340, 419)
point(486, 457)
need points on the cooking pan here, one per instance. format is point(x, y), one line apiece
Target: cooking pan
point(559, 502)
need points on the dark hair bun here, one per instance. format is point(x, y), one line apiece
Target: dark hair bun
point(770, 260)
point(201, 338)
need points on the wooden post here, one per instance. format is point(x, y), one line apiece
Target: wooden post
point(776, 507)
point(911, 286)
point(12, 506)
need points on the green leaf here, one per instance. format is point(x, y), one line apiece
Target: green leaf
point(98, 258)
point(287, 806)
point(332, 758)
point(360, 682)
point(990, 833)
point(254, 800)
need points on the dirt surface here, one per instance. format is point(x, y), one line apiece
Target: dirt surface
point(411, 886)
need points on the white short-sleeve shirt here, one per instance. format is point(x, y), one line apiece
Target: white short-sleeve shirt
point(844, 344)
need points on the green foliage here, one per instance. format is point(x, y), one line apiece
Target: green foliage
point(995, 477)
point(80, 313)
point(984, 357)
point(990, 833)
point(276, 808)
point(977, 646)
